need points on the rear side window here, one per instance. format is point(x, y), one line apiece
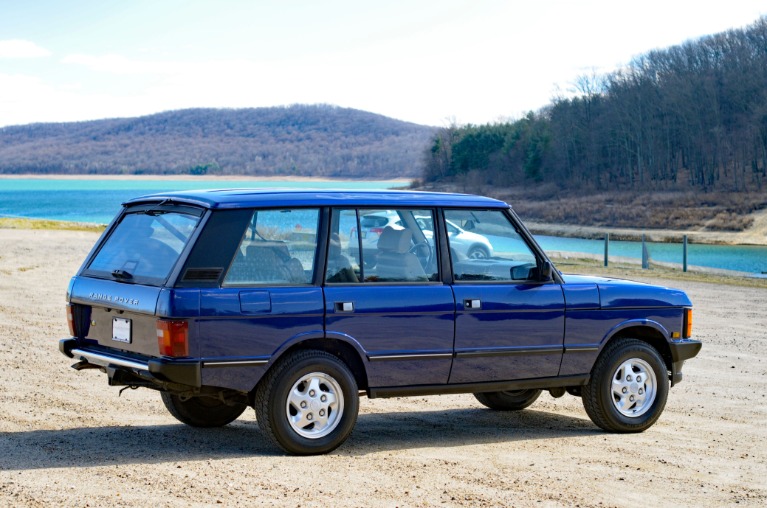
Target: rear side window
point(144, 247)
point(277, 247)
point(371, 245)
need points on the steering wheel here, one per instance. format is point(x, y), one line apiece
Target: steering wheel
point(423, 252)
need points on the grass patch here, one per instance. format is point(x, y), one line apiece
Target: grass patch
point(584, 266)
point(18, 223)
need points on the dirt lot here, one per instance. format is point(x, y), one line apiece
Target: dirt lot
point(68, 439)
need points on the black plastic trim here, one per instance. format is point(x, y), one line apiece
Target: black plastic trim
point(684, 349)
point(409, 356)
point(183, 371)
point(497, 386)
point(479, 353)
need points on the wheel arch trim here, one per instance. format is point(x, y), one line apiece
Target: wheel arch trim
point(646, 330)
point(341, 345)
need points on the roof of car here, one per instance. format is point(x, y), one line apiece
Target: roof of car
point(247, 198)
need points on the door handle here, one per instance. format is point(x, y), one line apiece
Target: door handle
point(344, 306)
point(472, 304)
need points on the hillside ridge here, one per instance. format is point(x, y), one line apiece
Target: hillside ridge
point(297, 140)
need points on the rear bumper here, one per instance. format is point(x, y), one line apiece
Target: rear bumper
point(682, 350)
point(181, 371)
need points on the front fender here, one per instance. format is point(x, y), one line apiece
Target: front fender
point(634, 323)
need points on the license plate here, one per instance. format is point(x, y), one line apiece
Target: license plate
point(121, 330)
point(364, 234)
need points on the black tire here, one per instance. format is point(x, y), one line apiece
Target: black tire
point(332, 405)
point(201, 411)
point(512, 400)
point(615, 399)
point(478, 252)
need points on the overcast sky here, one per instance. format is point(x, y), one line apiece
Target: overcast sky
point(424, 61)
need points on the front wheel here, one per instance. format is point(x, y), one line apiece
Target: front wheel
point(478, 252)
point(307, 404)
point(628, 387)
point(511, 400)
point(201, 411)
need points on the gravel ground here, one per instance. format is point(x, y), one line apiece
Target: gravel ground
point(68, 439)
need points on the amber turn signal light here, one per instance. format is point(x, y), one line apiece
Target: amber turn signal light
point(687, 326)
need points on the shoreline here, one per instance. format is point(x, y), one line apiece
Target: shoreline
point(201, 178)
point(756, 235)
point(536, 228)
point(565, 260)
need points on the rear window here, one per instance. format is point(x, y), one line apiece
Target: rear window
point(277, 247)
point(144, 247)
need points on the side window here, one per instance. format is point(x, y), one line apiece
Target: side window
point(277, 247)
point(343, 249)
point(484, 246)
point(374, 245)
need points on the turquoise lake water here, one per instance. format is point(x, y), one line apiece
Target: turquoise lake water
point(98, 200)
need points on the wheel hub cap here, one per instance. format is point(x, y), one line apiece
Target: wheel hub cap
point(634, 388)
point(315, 405)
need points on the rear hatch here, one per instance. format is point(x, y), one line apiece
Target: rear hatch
point(114, 298)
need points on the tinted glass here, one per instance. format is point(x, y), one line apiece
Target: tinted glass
point(388, 246)
point(344, 248)
point(277, 247)
point(485, 246)
point(144, 247)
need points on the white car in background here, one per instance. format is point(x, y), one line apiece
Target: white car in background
point(464, 243)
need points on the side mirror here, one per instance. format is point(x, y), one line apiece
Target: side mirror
point(545, 273)
point(469, 225)
point(523, 272)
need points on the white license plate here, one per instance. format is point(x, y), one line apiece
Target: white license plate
point(121, 330)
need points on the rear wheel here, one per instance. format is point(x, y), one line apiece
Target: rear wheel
point(510, 400)
point(307, 404)
point(201, 411)
point(628, 387)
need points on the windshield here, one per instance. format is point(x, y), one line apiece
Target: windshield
point(144, 246)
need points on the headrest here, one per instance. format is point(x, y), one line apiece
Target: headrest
point(395, 240)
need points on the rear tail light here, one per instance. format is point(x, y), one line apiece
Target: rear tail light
point(173, 337)
point(71, 319)
point(377, 231)
point(687, 325)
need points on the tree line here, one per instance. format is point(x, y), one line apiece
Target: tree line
point(298, 140)
point(690, 117)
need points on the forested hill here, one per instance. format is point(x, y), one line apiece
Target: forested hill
point(690, 117)
point(299, 140)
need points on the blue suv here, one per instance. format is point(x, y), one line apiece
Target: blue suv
point(228, 299)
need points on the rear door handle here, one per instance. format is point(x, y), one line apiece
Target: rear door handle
point(344, 306)
point(472, 304)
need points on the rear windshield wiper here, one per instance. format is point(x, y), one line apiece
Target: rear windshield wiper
point(121, 274)
point(155, 210)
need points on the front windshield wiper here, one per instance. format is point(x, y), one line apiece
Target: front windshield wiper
point(122, 274)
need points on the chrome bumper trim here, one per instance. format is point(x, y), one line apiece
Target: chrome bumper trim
point(107, 360)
